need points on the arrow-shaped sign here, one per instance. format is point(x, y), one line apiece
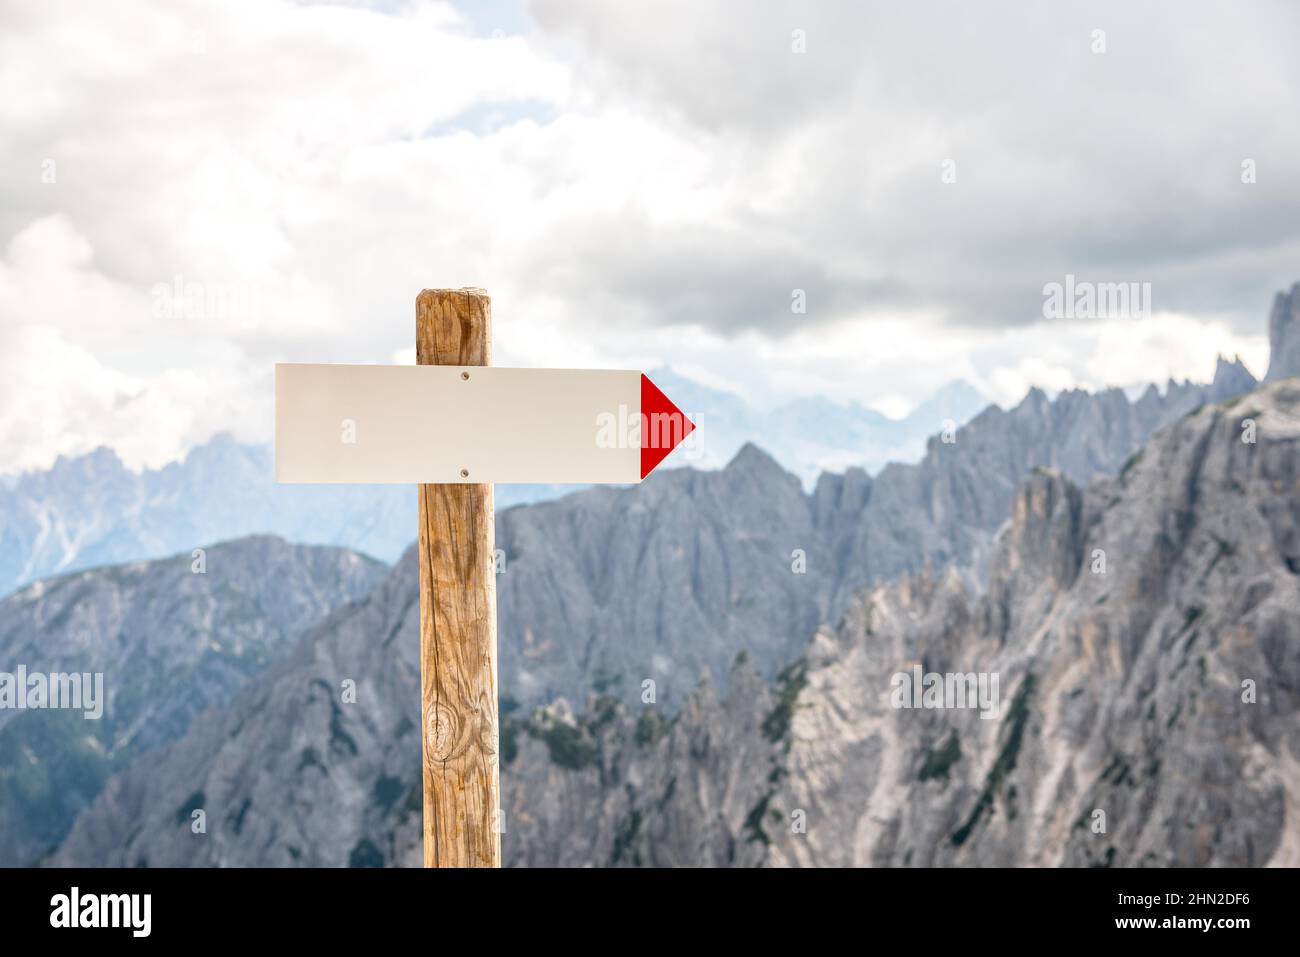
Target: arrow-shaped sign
point(446, 424)
point(454, 425)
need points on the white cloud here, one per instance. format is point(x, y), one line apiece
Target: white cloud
point(71, 378)
point(634, 188)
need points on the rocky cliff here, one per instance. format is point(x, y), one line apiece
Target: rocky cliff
point(1146, 636)
point(172, 638)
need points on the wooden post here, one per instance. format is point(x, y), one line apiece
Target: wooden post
point(458, 617)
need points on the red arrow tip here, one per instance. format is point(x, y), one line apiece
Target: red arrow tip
point(663, 426)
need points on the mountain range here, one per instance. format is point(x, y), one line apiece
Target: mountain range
point(769, 619)
point(1123, 693)
point(92, 510)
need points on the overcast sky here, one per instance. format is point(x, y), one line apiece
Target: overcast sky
point(633, 189)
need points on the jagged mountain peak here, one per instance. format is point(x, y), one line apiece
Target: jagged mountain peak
point(1230, 378)
point(1284, 335)
point(98, 462)
point(751, 458)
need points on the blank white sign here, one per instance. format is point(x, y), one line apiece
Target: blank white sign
point(371, 423)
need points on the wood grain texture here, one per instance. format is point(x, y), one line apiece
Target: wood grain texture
point(458, 618)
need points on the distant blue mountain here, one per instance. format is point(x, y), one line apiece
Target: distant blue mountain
point(92, 510)
point(814, 435)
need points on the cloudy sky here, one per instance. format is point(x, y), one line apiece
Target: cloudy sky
point(635, 185)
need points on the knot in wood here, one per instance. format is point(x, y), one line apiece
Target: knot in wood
point(442, 734)
point(448, 734)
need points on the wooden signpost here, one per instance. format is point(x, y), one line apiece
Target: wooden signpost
point(454, 425)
